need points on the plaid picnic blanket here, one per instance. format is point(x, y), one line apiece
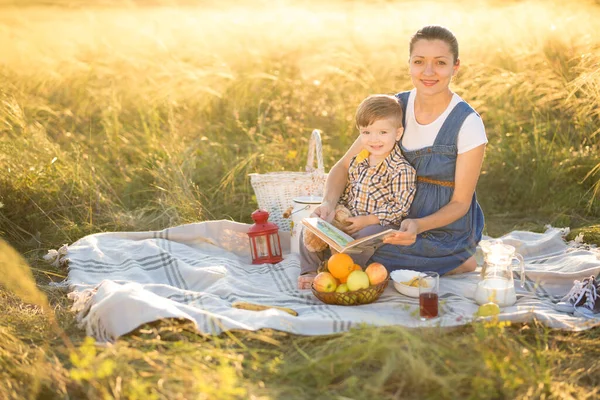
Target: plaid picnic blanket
point(121, 280)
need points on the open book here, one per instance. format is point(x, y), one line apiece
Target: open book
point(340, 241)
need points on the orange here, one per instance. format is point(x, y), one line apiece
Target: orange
point(340, 265)
point(356, 267)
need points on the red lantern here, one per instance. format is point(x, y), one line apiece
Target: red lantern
point(264, 239)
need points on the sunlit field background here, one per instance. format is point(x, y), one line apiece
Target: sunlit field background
point(137, 115)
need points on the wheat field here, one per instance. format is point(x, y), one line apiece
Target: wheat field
point(144, 114)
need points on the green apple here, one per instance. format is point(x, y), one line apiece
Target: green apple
point(357, 280)
point(343, 288)
point(487, 310)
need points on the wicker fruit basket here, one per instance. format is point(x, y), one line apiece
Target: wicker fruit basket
point(357, 297)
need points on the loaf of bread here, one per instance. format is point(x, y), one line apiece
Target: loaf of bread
point(312, 242)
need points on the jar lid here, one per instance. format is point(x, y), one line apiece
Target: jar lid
point(308, 199)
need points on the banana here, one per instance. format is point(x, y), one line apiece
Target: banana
point(414, 282)
point(259, 307)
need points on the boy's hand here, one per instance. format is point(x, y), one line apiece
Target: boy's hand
point(358, 223)
point(305, 281)
point(325, 211)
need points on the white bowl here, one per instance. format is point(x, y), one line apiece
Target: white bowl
point(404, 275)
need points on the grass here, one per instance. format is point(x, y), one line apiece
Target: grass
point(140, 115)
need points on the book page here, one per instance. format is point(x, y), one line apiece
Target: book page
point(341, 241)
point(334, 237)
point(338, 236)
point(369, 241)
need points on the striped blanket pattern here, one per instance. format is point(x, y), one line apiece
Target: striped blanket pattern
point(121, 280)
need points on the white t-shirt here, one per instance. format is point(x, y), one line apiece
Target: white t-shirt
point(417, 136)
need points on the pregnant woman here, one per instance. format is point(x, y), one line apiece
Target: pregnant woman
point(444, 139)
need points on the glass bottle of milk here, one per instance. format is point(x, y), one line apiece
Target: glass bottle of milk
point(497, 283)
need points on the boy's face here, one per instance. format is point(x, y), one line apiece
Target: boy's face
point(380, 137)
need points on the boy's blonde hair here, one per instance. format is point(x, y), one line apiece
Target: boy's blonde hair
point(376, 107)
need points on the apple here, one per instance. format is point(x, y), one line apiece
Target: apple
point(356, 267)
point(376, 272)
point(343, 288)
point(325, 282)
point(357, 280)
point(488, 310)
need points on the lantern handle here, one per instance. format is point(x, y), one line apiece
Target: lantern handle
point(315, 144)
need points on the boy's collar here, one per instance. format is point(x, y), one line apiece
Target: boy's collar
point(396, 152)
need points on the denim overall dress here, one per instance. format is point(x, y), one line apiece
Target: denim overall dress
point(446, 248)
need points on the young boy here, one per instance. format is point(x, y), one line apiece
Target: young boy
point(381, 183)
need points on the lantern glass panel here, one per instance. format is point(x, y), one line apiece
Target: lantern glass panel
point(252, 248)
point(275, 244)
point(261, 246)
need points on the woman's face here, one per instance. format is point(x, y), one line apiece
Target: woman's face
point(432, 66)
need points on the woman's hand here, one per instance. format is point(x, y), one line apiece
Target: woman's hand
point(406, 235)
point(305, 281)
point(325, 211)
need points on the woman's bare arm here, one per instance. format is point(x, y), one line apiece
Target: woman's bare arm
point(468, 169)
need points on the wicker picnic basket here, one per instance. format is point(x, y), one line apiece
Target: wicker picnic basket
point(275, 191)
point(357, 297)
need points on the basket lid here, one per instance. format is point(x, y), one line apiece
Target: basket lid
point(308, 199)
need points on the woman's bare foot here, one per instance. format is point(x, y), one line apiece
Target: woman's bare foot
point(468, 266)
point(305, 281)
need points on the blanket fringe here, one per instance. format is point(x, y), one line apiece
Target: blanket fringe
point(82, 301)
point(95, 328)
point(58, 258)
point(578, 243)
point(87, 317)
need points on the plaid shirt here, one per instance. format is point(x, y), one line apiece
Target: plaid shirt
point(385, 190)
